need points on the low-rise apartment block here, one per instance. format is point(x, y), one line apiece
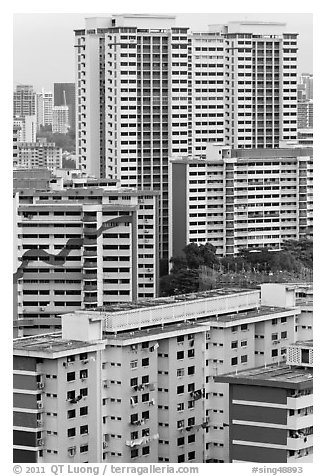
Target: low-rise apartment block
point(79, 248)
point(136, 382)
point(271, 410)
point(240, 198)
point(39, 154)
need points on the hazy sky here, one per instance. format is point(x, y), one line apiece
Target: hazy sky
point(43, 51)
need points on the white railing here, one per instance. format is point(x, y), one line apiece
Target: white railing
point(180, 311)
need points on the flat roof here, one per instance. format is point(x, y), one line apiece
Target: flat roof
point(282, 376)
point(48, 343)
point(261, 311)
point(303, 343)
point(146, 303)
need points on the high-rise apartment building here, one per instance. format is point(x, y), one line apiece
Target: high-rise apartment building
point(135, 383)
point(147, 90)
point(271, 410)
point(79, 248)
point(241, 198)
point(24, 101)
point(60, 119)
point(44, 108)
point(37, 155)
point(65, 95)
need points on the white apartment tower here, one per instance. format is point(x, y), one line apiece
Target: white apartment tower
point(44, 108)
point(148, 90)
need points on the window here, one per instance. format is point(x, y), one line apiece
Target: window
point(180, 372)
point(83, 374)
point(234, 344)
point(181, 458)
point(180, 389)
point(234, 360)
point(191, 370)
point(180, 354)
point(71, 432)
point(71, 395)
point(180, 407)
point(274, 336)
point(244, 343)
point(83, 411)
point(83, 356)
point(70, 376)
point(134, 453)
point(274, 352)
point(191, 438)
point(134, 364)
point(180, 338)
point(244, 359)
point(284, 319)
point(134, 435)
point(145, 379)
point(84, 392)
point(145, 415)
point(180, 441)
point(191, 421)
point(191, 403)
point(244, 327)
point(145, 397)
point(133, 382)
point(84, 430)
point(84, 448)
point(191, 353)
point(284, 335)
point(145, 450)
point(274, 322)
point(145, 362)
point(145, 345)
point(191, 387)
point(234, 328)
point(71, 413)
point(191, 455)
point(180, 423)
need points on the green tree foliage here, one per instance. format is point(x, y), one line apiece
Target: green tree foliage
point(294, 258)
point(65, 141)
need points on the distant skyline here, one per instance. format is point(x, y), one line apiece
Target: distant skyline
point(43, 44)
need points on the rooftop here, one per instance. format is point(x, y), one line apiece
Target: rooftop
point(48, 343)
point(283, 376)
point(303, 343)
point(146, 303)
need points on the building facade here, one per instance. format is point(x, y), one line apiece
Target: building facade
point(240, 198)
point(44, 109)
point(305, 114)
point(271, 410)
point(64, 94)
point(60, 119)
point(79, 248)
point(24, 101)
point(37, 155)
point(26, 128)
point(71, 403)
point(153, 90)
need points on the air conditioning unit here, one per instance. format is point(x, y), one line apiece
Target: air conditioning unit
point(72, 451)
point(40, 385)
point(105, 444)
point(40, 442)
point(39, 423)
point(39, 405)
point(85, 361)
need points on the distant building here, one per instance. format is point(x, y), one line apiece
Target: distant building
point(82, 247)
point(26, 128)
point(37, 155)
point(307, 81)
point(271, 410)
point(24, 99)
point(240, 198)
point(60, 119)
point(305, 137)
point(44, 109)
point(305, 114)
point(29, 179)
point(64, 95)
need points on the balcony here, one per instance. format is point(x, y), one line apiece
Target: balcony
point(90, 287)
point(90, 264)
point(88, 242)
point(90, 276)
point(89, 253)
point(91, 299)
